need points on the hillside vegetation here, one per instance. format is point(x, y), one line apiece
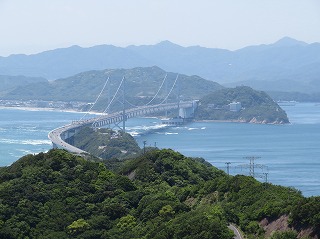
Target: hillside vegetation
point(106, 143)
point(161, 194)
point(9, 83)
point(141, 84)
point(257, 106)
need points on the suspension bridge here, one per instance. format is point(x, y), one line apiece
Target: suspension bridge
point(62, 136)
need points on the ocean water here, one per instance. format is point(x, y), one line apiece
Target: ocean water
point(289, 154)
point(23, 132)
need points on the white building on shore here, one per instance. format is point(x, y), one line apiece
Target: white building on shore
point(235, 106)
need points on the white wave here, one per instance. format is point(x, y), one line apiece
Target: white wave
point(24, 151)
point(144, 127)
point(37, 142)
point(168, 133)
point(26, 142)
point(133, 133)
point(203, 127)
point(192, 128)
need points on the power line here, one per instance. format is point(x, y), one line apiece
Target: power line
point(252, 165)
point(251, 168)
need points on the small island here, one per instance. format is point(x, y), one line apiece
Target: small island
point(240, 104)
point(106, 143)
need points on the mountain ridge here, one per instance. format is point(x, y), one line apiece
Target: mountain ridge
point(186, 60)
point(286, 60)
point(143, 83)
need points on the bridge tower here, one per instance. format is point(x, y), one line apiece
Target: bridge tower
point(178, 95)
point(124, 117)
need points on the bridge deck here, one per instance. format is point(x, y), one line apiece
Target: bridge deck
point(59, 135)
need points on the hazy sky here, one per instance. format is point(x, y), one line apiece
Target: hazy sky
point(31, 26)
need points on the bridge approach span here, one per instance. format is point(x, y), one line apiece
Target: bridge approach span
point(59, 137)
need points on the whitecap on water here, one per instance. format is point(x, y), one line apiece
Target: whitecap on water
point(25, 142)
point(24, 151)
point(133, 133)
point(192, 128)
point(37, 142)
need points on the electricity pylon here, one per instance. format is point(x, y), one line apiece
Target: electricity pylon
point(252, 165)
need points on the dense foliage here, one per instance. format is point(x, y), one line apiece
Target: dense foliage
point(106, 143)
point(160, 194)
point(256, 106)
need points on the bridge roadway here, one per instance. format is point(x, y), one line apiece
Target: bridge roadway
point(59, 136)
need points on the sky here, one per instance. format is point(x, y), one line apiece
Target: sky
point(32, 26)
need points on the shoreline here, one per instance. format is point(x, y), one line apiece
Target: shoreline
point(99, 113)
point(221, 121)
point(240, 122)
point(50, 110)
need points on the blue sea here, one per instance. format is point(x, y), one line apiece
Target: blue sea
point(289, 154)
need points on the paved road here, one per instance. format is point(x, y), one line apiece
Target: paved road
point(236, 232)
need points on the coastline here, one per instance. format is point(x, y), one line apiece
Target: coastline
point(253, 121)
point(221, 121)
point(49, 109)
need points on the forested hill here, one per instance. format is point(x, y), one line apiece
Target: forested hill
point(161, 194)
point(106, 143)
point(8, 83)
point(142, 83)
point(255, 107)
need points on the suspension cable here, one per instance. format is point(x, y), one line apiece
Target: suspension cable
point(134, 106)
point(158, 90)
point(114, 96)
point(105, 84)
point(170, 90)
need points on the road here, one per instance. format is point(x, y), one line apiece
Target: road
point(58, 140)
point(236, 232)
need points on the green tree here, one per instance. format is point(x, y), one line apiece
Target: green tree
point(78, 226)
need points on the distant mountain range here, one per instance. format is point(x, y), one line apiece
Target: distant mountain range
point(287, 65)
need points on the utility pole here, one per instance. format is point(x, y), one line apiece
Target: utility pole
point(228, 165)
point(144, 146)
point(266, 177)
